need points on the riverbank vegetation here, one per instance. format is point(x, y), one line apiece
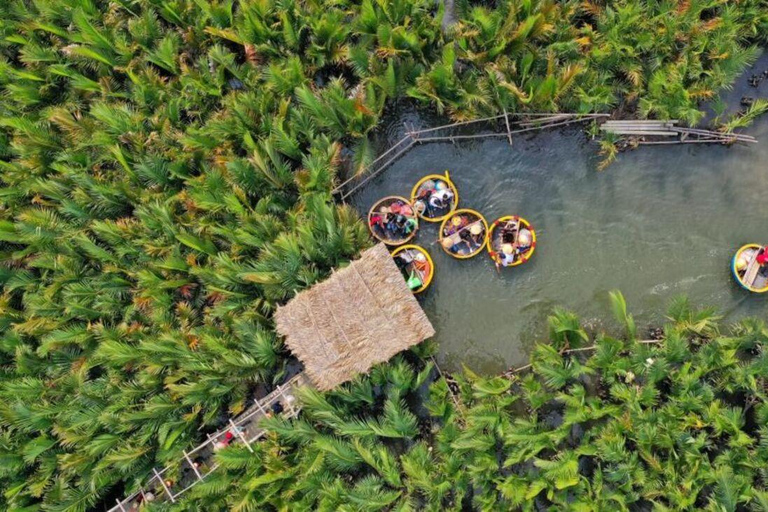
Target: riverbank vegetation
point(166, 170)
point(674, 423)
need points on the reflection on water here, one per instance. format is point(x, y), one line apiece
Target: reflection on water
point(660, 222)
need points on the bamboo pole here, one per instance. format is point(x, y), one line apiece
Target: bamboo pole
point(192, 465)
point(369, 166)
point(514, 132)
point(453, 396)
point(120, 506)
point(509, 130)
point(453, 125)
point(572, 351)
point(514, 114)
point(165, 487)
point(240, 435)
point(374, 174)
point(261, 407)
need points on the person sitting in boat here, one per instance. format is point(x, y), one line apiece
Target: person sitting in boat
point(401, 226)
point(457, 222)
point(762, 257)
point(506, 256)
point(402, 260)
point(509, 232)
point(466, 237)
point(420, 263)
point(422, 200)
point(436, 203)
point(377, 224)
point(524, 240)
point(420, 207)
point(386, 216)
point(410, 225)
point(445, 195)
point(450, 246)
point(477, 234)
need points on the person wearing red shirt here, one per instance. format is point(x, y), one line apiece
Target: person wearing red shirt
point(762, 258)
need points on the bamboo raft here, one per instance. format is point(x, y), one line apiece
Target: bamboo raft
point(652, 132)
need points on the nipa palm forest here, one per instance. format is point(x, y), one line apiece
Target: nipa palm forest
point(166, 171)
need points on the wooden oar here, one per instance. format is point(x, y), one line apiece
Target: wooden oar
point(751, 273)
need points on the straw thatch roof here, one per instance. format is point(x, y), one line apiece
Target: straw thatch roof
point(360, 316)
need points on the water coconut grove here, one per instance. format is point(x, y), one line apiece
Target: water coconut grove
point(182, 328)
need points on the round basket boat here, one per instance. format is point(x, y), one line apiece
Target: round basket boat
point(423, 191)
point(748, 272)
point(506, 231)
point(393, 221)
point(464, 233)
point(416, 265)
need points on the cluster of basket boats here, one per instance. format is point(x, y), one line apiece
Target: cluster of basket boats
point(510, 240)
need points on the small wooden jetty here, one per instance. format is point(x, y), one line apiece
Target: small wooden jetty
point(169, 483)
point(652, 132)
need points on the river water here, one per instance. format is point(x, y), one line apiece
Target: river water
point(659, 222)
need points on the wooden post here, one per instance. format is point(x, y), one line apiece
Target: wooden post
point(509, 130)
point(162, 482)
point(240, 435)
point(192, 465)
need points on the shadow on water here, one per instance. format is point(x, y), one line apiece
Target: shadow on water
point(659, 222)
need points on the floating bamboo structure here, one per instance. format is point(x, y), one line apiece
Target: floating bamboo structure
point(641, 132)
point(651, 132)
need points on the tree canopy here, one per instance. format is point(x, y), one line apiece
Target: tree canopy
point(165, 178)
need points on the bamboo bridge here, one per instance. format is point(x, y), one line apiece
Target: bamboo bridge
point(650, 132)
point(170, 482)
point(507, 126)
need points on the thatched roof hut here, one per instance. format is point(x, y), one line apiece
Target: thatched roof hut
point(360, 316)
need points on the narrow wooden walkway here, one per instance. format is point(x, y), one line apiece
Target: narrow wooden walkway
point(651, 132)
point(167, 484)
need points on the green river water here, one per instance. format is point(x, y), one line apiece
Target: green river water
point(660, 222)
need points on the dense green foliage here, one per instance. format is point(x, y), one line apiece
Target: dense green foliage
point(166, 169)
point(681, 424)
